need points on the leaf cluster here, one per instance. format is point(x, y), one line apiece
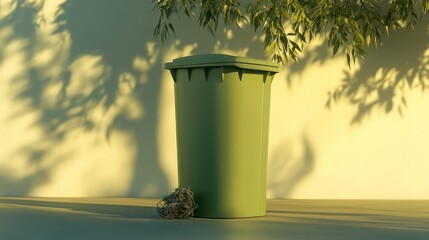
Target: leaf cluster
point(209, 13)
point(288, 25)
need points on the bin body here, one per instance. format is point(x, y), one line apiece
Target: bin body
point(222, 121)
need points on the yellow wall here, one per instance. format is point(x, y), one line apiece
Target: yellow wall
point(86, 108)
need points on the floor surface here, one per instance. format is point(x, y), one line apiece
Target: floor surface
point(133, 218)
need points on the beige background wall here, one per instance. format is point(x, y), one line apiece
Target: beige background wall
point(86, 108)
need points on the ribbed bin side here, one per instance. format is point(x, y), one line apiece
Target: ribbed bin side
point(222, 120)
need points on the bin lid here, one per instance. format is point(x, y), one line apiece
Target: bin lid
point(213, 60)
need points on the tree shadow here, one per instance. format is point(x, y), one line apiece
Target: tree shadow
point(290, 164)
point(117, 32)
point(388, 73)
point(23, 21)
point(112, 36)
point(381, 81)
point(316, 54)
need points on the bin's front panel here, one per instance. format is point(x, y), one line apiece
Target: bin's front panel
point(222, 117)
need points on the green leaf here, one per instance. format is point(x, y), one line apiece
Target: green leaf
point(348, 24)
point(360, 37)
point(270, 49)
point(348, 59)
point(368, 40)
point(171, 28)
point(295, 45)
point(336, 47)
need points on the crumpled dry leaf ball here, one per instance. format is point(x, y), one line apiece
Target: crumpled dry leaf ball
point(179, 204)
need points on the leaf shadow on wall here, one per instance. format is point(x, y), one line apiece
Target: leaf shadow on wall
point(22, 22)
point(382, 80)
point(112, 36)
point(388, 73)
point(116, 32)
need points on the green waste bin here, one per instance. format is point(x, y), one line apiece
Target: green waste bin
point(222, 118)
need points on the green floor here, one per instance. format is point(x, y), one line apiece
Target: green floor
point(127, 218)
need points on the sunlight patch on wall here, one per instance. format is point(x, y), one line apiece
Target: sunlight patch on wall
point(86, 74)
point(5, 32)
point(12, 66)
point(387, 153)
point(229, 34)
point(223, 49)
point(7, 7)
point(130, 107)
point(167, 126)
point(93, 168)
point(43, 58)
point(45, 150)
point(167, 129)
point(49, 12)
point(173, 51)
point(15, 136)
point(144, 63)
point(16, 125)
point(23, 142)
point(127, 83)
